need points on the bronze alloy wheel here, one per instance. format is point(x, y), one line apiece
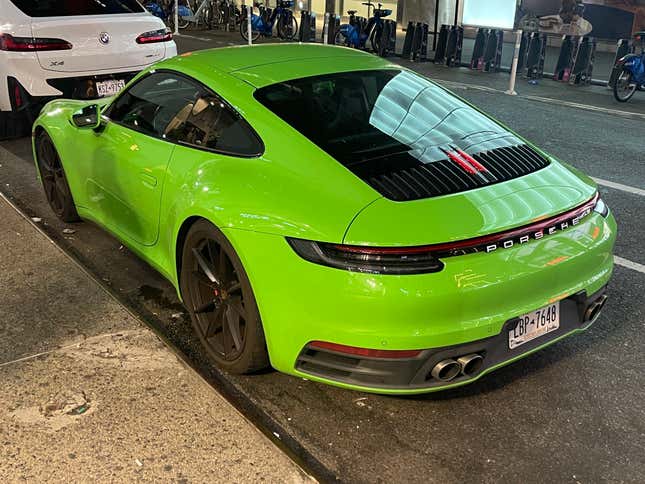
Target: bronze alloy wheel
point(54, 181)
point(220, 301)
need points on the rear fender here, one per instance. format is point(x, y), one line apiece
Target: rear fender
point(629, 60)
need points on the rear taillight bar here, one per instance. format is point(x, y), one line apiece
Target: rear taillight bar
point(161, 35)
point(31, 44)
point(426, 259)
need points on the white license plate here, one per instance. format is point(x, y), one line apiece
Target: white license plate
point(109, 88)
point(535, 324)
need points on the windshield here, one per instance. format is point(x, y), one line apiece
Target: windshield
point(67, 8)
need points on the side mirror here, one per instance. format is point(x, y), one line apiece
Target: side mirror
point(88, 117)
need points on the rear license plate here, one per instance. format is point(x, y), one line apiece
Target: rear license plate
point(109, 88)
point(535, 324)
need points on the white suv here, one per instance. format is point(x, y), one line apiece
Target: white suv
point(80, 49)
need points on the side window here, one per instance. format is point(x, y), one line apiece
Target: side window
point(212, 124)
point(150, 104)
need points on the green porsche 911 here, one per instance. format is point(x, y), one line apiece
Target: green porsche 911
point(335, 216)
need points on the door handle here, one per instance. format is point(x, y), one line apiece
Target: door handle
point(148, 179)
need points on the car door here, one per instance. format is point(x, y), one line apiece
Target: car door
point(130, 161)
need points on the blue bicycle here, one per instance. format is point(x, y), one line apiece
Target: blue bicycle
point(165, 10)
point(632, 76)
point(262, 24)
point(355, 33)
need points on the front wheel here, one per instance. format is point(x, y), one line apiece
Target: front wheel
point(220, 300)
point(340, 39)
point(52, 175)
point(287, 30)
point(625, 87)
point(375, 40)
point(244, 32)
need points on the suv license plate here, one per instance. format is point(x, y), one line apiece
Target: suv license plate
point(109, 88)
point(535, 324)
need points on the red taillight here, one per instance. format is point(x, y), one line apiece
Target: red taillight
point(31, 44)
point(162, 35)
point(352, 350)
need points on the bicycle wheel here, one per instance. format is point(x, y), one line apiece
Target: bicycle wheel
point(625, 87)
point(375, 41)
point(206, 18)
point(287, 30)
point(255, 34)
point(340, 39)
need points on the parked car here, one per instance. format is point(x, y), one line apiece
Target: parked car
point(337, 216)
point(81, 49)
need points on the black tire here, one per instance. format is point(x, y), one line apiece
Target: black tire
point(219, 298)
point(624, 87)
point(14, 125)
point(287, 32)
point(54, 181)
point(244, 31)
point(339, 38)
point(375, 41)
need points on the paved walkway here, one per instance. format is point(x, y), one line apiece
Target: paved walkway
point(90, 393)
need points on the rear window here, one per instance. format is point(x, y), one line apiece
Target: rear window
point(68, 8)
point(359, 117)
point(402, 134)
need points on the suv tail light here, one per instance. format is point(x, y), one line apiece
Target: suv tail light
point(31, 44)
point(161, 35)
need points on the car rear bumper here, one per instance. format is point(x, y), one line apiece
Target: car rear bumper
point(578, 312)
point(471, 301)
point(43, 85)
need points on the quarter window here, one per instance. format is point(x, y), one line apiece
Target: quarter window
point(212, 124)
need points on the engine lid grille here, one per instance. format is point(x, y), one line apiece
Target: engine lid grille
point(458, 172)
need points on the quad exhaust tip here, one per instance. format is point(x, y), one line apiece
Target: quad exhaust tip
point(594, 308)
point(446, 370)
point(449, 369)
point(470, 364)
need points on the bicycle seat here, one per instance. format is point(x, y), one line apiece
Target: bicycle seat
point(351, 12)
point(369, 4)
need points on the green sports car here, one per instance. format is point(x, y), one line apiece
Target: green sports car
point(335, 216)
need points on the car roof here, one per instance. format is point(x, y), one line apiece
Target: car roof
point(260, 65)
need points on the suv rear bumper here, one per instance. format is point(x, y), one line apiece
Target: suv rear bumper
point(41, 84)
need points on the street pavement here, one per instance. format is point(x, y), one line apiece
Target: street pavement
point(89, 393)
point(571, 413)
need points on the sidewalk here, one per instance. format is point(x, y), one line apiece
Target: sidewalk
point(89, 393)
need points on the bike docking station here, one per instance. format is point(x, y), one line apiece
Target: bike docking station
point(387, 45)
point(415, 44)
point(307, 32)
point(624, 47)
point(576, 59)
point(330, 27)
point(535, 55)
point(449, 45)
point(487, 52)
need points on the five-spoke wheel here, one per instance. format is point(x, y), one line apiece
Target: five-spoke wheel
point(54, 181)
point(220, 301)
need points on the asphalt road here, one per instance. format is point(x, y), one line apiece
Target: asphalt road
point(571, 413)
